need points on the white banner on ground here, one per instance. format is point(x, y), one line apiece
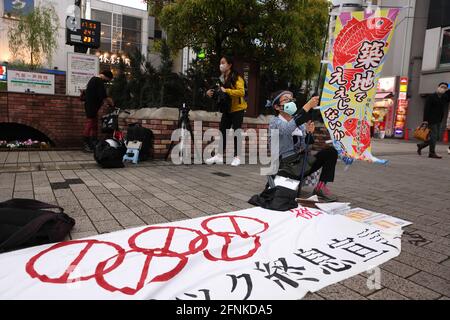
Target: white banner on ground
point(249, 254)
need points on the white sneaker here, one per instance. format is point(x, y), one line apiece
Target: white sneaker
point(216, 159)
point(448, 150)
point(236, 162)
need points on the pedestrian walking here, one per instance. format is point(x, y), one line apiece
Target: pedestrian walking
point(433, 116)
point(233, 85)
point(95, 97)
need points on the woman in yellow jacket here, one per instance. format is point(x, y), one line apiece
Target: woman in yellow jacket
point(233, 85)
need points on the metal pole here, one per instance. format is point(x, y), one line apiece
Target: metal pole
point(308, 136)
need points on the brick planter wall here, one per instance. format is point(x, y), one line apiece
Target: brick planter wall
point(59, 117)
point(162, 130)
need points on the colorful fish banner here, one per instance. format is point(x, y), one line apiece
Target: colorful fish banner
point(359, 48)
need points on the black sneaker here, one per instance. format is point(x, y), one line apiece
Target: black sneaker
point(419, 150)
point(87, 146)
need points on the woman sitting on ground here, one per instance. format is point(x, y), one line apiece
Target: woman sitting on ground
point(295, 132)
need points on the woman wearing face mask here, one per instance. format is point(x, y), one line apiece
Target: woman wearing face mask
point(294, 133)
point(234, 86)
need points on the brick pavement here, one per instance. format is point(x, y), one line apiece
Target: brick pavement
point(410, 187)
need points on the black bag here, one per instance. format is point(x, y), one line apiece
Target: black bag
point(291, 166)
point(109, 123)
point(278, 198)
point(25, 223)
point(223, 102)
point(136, 132)
point(109, 153)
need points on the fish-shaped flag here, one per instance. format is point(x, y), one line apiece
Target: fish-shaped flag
point(359, 49)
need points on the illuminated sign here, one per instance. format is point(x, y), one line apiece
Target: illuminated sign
point(113, 59)
point(403, 88)
point(87, 36)
point(3, 73)
point(386, 84)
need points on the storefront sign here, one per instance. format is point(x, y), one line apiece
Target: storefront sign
point(80, 69)
point(14, 8)
point(32, 82)
point(400, 119)
point(403, 88)
point(386, 85)
point(88, 36)
point(3, 73)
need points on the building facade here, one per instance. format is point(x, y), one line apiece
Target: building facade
point(123, 30)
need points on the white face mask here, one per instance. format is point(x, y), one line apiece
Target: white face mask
point(223, 68)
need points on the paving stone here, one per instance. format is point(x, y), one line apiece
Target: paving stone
point(312, 296)
point(386, 294)
point(116, 206)
point(406, 287)
point(358, 284)
point(99, 214)
point(154, 203)
point(90, 203)
point(195, 213)
point(171, 213)
point(129, 219)
point(432, 282)
point(339, 292)
point(399, 269)
point(434, 268)
point(154, 219)
point(107, 226)
point(83, 224)
point(81, 235)
point(424, 253)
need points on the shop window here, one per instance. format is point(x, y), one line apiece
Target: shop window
point(132, 23)
point(445, 48)
point(102, 16)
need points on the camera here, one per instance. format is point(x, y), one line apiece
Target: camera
point(222, 99)
point(184, 111)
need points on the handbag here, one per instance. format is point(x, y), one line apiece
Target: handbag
point(109, 123)
point(422, 132)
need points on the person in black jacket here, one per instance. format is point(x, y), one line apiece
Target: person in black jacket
point(433, 116)
point(95, 98)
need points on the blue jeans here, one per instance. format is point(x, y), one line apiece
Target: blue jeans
point(434, 137)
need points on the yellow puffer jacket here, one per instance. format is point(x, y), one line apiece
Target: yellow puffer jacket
point(237, 95)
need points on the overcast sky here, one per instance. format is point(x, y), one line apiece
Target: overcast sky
point(130, 3)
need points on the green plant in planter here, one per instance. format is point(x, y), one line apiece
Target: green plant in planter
point(33, 38)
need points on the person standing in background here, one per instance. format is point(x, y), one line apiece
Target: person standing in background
point(433, 116)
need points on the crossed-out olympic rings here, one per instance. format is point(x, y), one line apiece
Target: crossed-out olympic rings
point(199, 243)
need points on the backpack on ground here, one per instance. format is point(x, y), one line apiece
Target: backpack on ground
point(109, 153)
point(136, 132)
point(27, 222)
